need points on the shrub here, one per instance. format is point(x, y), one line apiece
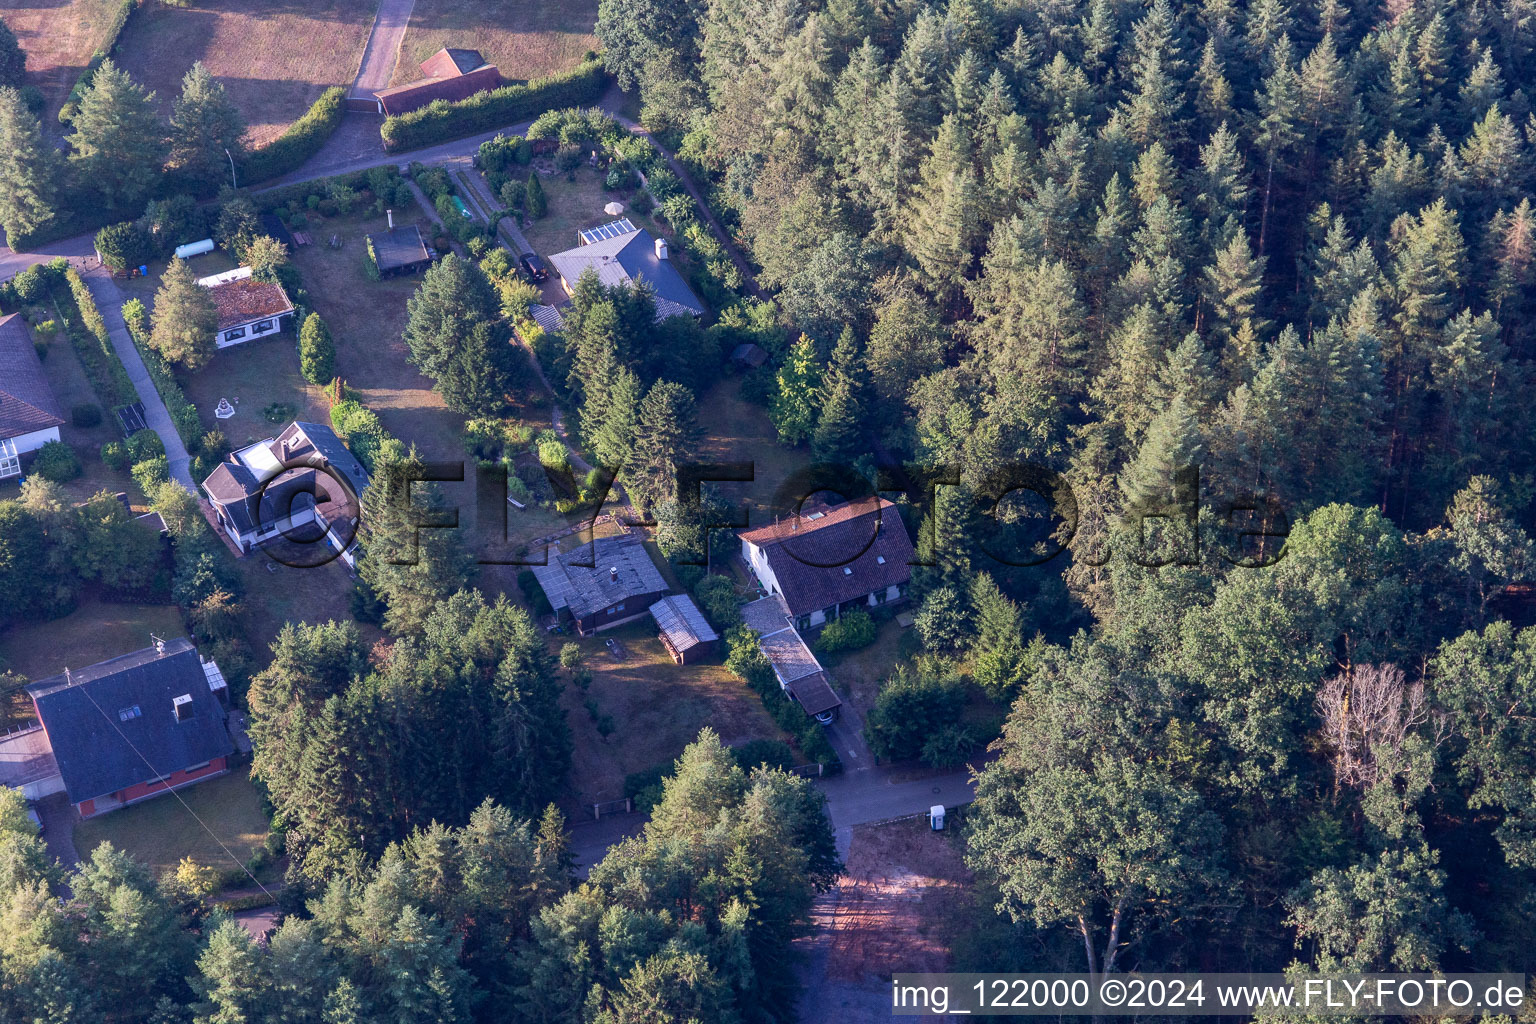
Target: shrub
point(301, 141)
point(440, 120)
point(124, 245)
point(359, 427)
point(568, 157)
point(31, 285)
point(115, 455)
point(144, 444)
point(278, 412)
point(645, 786)
point(773, 753)
point(642, 203)
point(85, 415)
point(151, 472)
point(56, 461)
point(914, 704)
point(717, 598)
point(849, 632)
point(553, 455)
point(317, 353)
point(534, 197)
point(513, 193)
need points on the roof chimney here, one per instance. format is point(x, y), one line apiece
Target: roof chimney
point(661, 248)
point(613, 574)
point(391, 215)
point(159, 645)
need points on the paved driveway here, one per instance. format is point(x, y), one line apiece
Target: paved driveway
point(383, 50)
point(59, 819)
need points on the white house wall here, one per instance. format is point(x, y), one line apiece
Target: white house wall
point(223, 340)
point(35, 440)
point(758, 560)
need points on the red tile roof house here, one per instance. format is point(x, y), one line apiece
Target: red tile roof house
point(831, 559)
point(248, 308)
point(30, 415)
point(449, 74)
point(124, 730)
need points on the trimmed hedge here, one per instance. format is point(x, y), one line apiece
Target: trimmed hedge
point(183, 412)
point(119, 22)
point(301, 141)
point(440, 121)
point(88, 334)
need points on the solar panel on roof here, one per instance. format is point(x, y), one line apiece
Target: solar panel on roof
point(610, 230)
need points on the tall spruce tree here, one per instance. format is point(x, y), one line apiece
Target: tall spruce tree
point(119, 141)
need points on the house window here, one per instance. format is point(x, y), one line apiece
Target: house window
point(262, 328)
point(618, 607)
point(128, 714)
point(234, 335)
point(10, 459)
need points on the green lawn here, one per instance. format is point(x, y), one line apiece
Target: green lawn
point(574, 205)
point(212, 821)
point(253, 376)
point(95, 631)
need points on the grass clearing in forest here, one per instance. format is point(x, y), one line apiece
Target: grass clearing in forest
point(58, 39)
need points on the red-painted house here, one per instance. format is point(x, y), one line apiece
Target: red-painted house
point(449, 74)
point(135, 727)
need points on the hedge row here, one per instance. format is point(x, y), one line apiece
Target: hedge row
point(88, 334)
point(268, 200)
point(440, 121)
point(114, 30)
point(183, 412)
point(302, 140)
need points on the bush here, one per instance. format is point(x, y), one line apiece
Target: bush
point(56, 461)
point(773, 753)
point(849, 632)
point(914, 705)
point(359, 427)
point(568, 157)
point(151, 472)
point(645, 786)
point(301, 141)
point(440, 121)
point(86, 415)
point(144, 444)
point(717, 598)
point(124, 245)
point(115, 455)
point(642, 203)
point(553, 455)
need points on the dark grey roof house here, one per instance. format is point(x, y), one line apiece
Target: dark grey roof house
point(301, 481)
point(685, 632)
point(134, 727)
point(620, 586)
point(30, 415)
point(620, 257)
point(832, 558)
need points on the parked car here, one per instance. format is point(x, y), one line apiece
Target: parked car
point(533, 266)
point(826, 717)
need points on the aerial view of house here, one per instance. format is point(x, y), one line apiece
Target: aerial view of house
point(248, 308)
point(30, 416)
point(720, 512)
point(617, 584)
point(302, 478)
point(135, 727)
point(621, 254)
point(828, 559)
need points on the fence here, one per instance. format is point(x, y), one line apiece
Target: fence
point(624, 806)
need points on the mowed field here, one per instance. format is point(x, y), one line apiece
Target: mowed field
point(59, 39)
point(274, 57)
point(523, 38)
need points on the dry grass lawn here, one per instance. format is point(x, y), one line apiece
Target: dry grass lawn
point(253, 376)
point(211, 822)
point(93, 632)
point(736, 430)
point(274, 58)
point(657, 708)
point(59, 39)
point(525, 39)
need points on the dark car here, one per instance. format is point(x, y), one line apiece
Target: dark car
point(533, 266)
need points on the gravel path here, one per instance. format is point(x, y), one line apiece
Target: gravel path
point(383, 50)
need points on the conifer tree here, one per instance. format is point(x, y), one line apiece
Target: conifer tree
point(13, 60)
point(317, 353)
point(840, 424)
point(666, 433)
point(185, 318)
point(1232, 287)
point(28, 168)
point(799, 397)
point(118, 144)
point(205, 126)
